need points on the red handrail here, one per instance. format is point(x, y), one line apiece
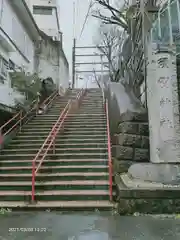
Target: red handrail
point(109, 151)
point(19, 116)
point(50, 140)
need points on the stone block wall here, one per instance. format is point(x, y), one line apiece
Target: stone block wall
point(131, 142)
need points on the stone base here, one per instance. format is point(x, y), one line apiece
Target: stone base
point(121, 166)
point(160, 173)
point(146, 197)
point(148, 206)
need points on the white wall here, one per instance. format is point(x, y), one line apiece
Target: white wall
point(64, 73)
point(48, 69)
point(48, 60)
point(22, 48)
point(29, 4)
point(52, 63)
point(8, 95)
point(13, 27)
point(48, 23)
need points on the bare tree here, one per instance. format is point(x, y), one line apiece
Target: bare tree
point(130, 23)
point(109, 41)
point(117, 16)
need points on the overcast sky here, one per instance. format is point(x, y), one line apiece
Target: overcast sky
point(66, 21)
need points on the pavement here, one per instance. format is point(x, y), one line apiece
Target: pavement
point(86, 226)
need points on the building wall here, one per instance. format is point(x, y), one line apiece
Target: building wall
point(52, 62)
point(29, 4)
point(49, 24)
point(20, 48)
point(48, 60)
point(19, 45)
point(64, 71)
point(12, 25)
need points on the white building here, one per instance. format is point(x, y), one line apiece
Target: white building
point(46, 14)
point(18, 31)
point(20, 38)
point(51, 61)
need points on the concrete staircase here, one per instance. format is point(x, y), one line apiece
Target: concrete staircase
point(76, 177)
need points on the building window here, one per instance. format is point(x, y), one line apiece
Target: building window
point(4, 66)
point(42, 10)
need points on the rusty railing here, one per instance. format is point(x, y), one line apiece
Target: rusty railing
point(50, 140)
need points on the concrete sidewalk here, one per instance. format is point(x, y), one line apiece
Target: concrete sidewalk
point(95, 226)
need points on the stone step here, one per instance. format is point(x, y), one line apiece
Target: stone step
point(66, 128)
point(91, 106)
point(59, 205)
point(81, 111)
point(85, 130)
point(52, 195)
point(70, 115)
point(75, 135)
point(55, 169)
point(55, 162)
point(75, 155)
point(58, 145)
point(55, 176)
point(86, 115)
point(92, 109)
point(93, 97)
point(69, 135)
point(77, 118)
point(67, 121)
point(63, 140)
point(58, 185)
point(90, 98)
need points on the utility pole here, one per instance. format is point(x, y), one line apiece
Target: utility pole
point(73, 62)
point(74, 45)
point(101, 69)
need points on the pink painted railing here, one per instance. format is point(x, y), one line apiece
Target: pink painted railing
point(50, 140)
point(109, 153)
point(19, 117)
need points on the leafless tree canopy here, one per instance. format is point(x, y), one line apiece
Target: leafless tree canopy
point(112, 39)
point(118, 16)
point(124, 52)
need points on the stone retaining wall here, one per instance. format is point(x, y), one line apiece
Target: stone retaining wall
point(131, 142)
